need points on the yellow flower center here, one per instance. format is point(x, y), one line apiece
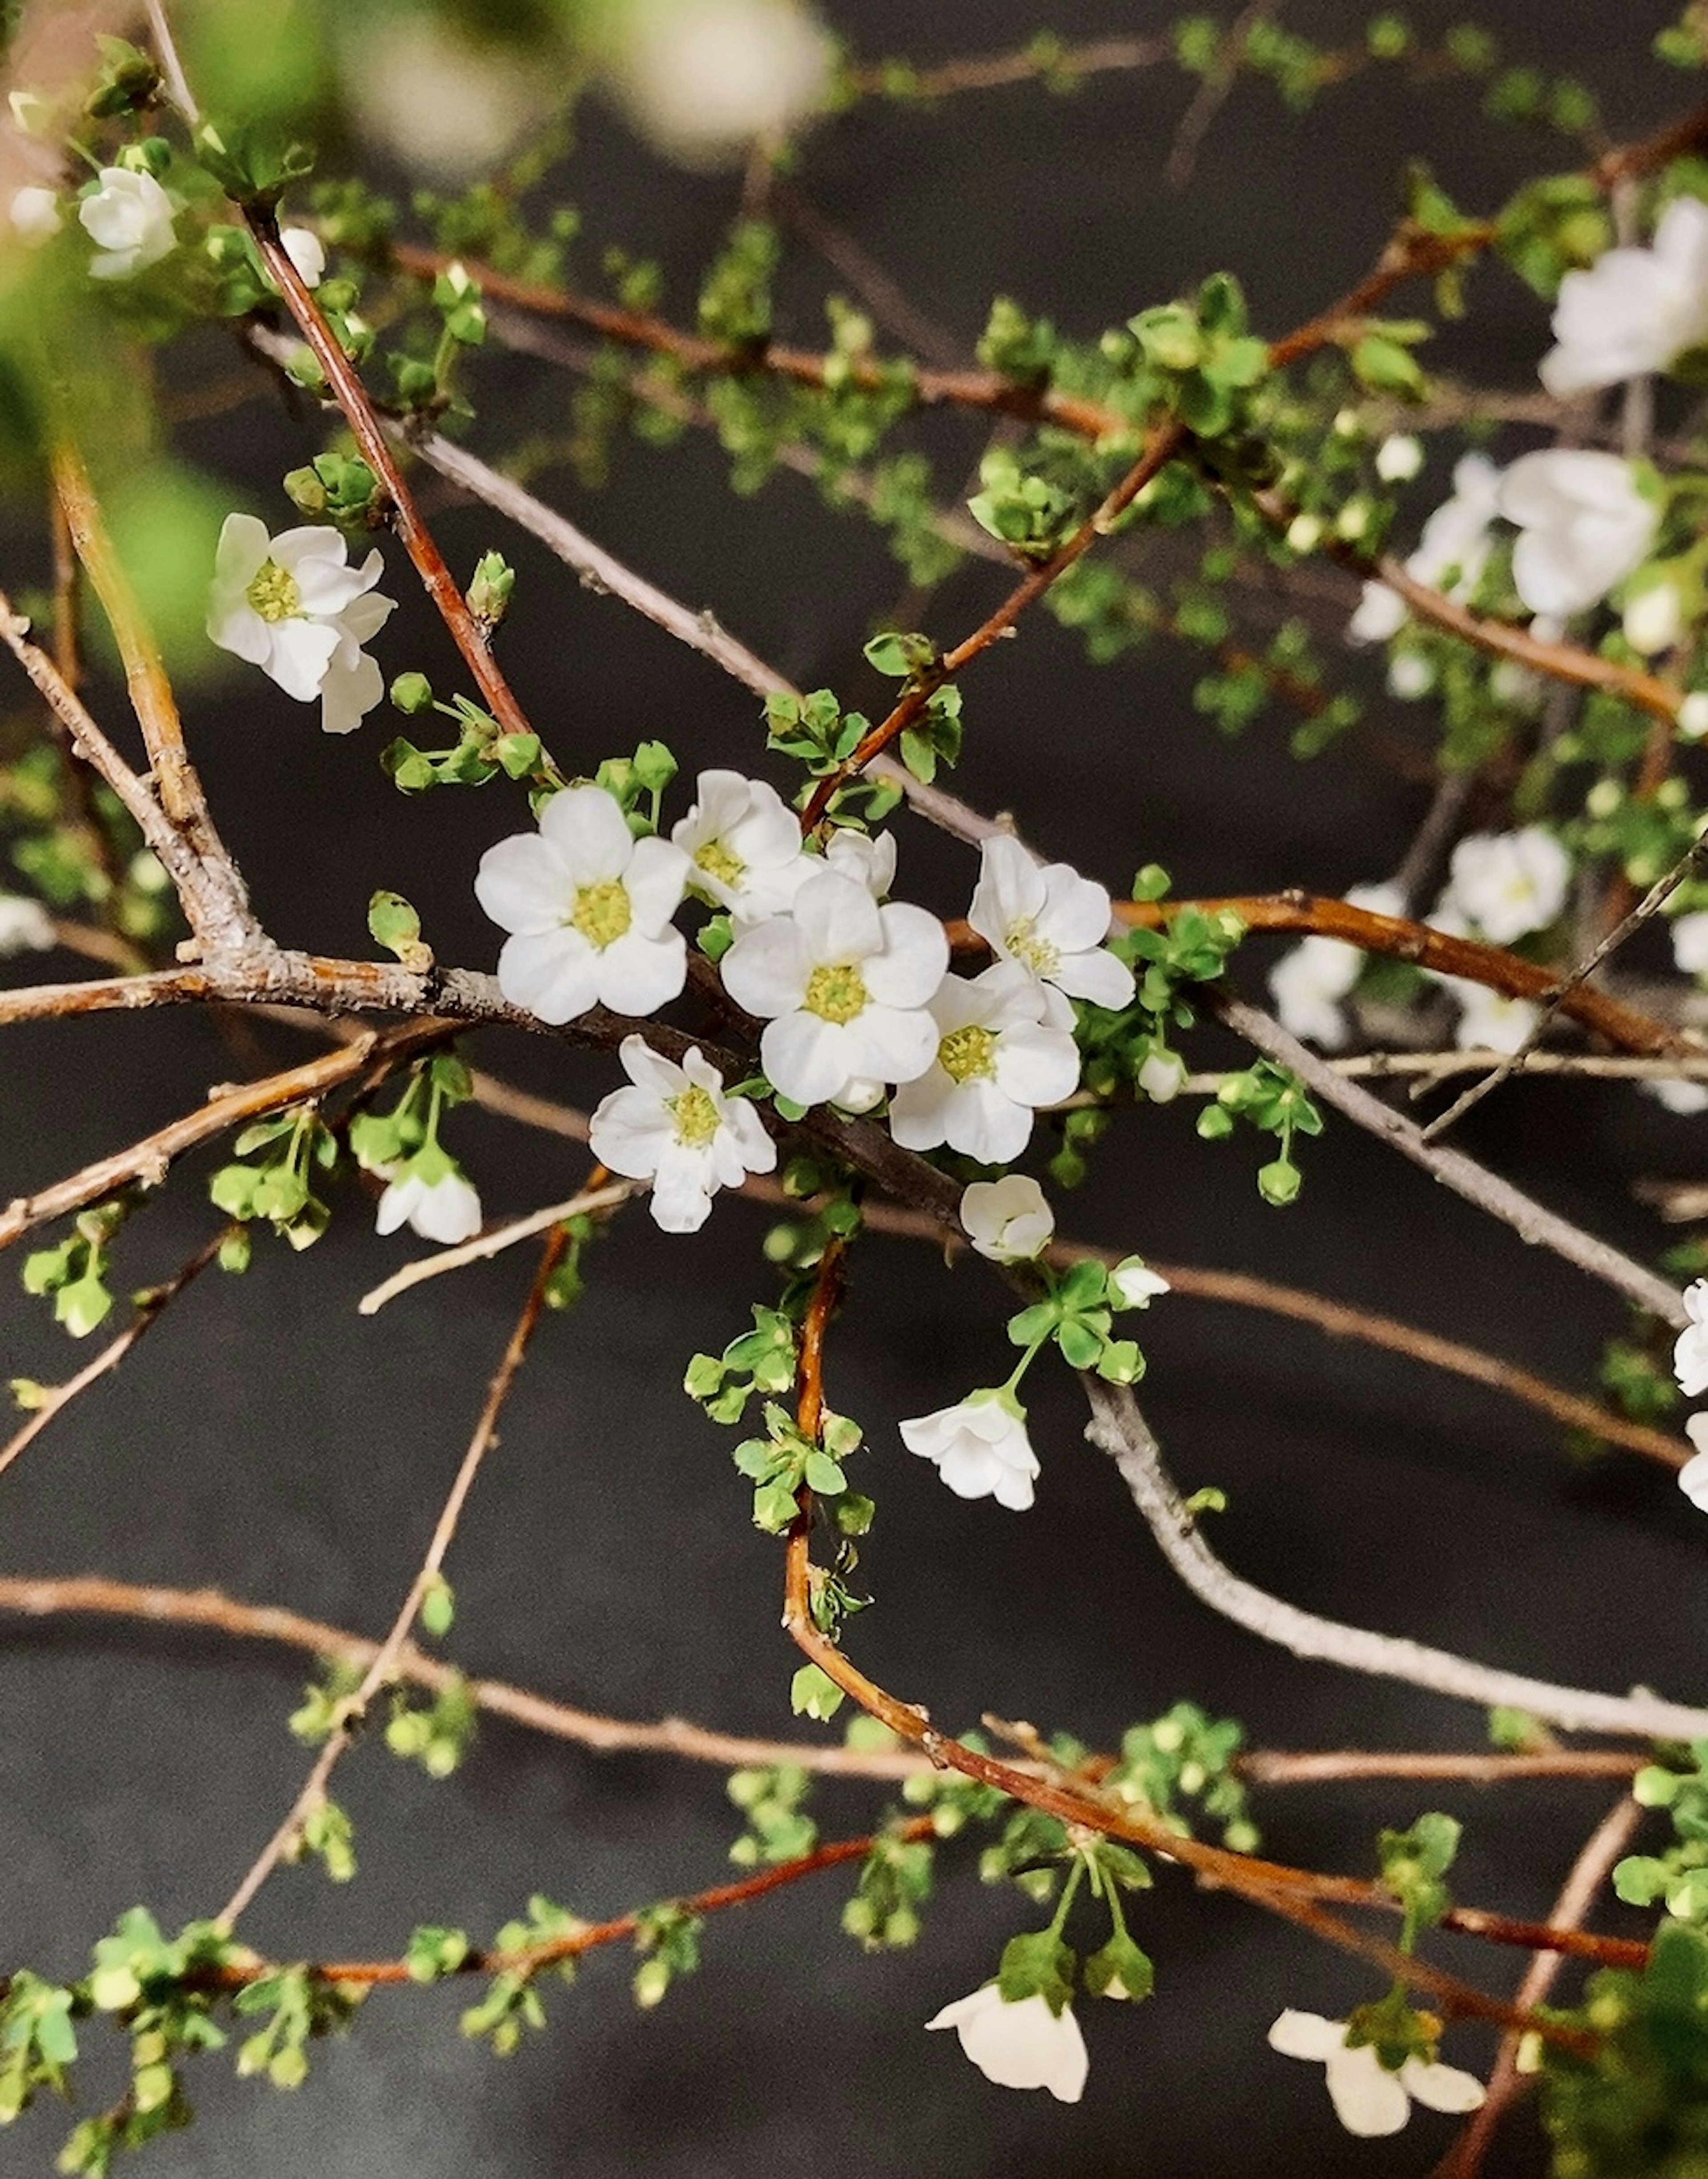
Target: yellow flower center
point(602, 912)
point(966, 1055)
point(695, 1114)
point(837, 992)
point(719, 861)
point(1023, 942)
point(274, 594)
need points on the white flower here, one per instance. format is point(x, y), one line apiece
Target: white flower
point(1134, 1285)
point(1024, 2046)
point(1693, 1476)
point(25, 925)
point(1381, 614)
point(1678, 1094)
point(744, 843)
point(34, 215)
point(1692, 716)
point(1007, 1219)
point(588, 909)
point(842, 986)
point(1690, 943)
point(128, 218)
point(305, 251)
point(1489, 1021)
point(442, 104)
point(702, 77)
point(292, 606)
point(1690, 1350)
point(1584, 526)
point(1052, 922)
point(677, 1128)
point(997, 1059)
point(1508, 884)
point(1399, 458)
point(444, 1208)
point(1368, 2099)
point(1451, 553)
point(1310, 979)
point(979, 1447)
point(1410, 675)
point(1634, 310)
point(1162, 1077)
point(1653, 618)
point(868, 858)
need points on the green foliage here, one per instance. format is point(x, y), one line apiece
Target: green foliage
point(760, 1361)
point(668, 1935)
point(1183, 1756)
point(439, 1736)
point(1274, 1102)
point(1414, 1863)
point(784, 1462)
point(1076, 1314)
point(775, 1826)
point(1678, 1876)
point(303, 2006)
point(271, 1173)
point(1635, 2105)
point(74, 1271)
point(512, 2003)
point(1208, 362)
point(894, 1883)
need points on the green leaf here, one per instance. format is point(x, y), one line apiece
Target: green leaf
point(813, 1693)
point(393, 924)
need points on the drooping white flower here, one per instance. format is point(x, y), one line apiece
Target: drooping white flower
point(306, 252)
point(868, 858)
point(980, 1447)
point(1051, 922)
point(1691, 943)
point(292, 606)
point(34, 215)
point(1507, 884)
point(588, 907)
point(1368, 2099)
point(128, 218)
point(25, 925)
point(1450, 555)
point(1633, 310)
point(1489, 1021)
point(1009, 1220)
point(843, 987)
point(1023, 2046)
point(1691, 1350)
point(1134, 1285)
point(433, 1196)
point(675, 1128)
point(1693, 1476)
point(744, 843)
point(1584, 526)
point(701, 78)
point(997, 1058)
point(1310, 980)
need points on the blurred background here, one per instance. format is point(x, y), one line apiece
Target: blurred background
point(268, 1441)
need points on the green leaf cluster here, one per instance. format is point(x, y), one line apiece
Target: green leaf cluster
point(761, 1361)
point(1187, 1756)
point(1635, 2106)
point(1273, 1101)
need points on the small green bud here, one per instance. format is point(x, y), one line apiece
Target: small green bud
point(411, 692)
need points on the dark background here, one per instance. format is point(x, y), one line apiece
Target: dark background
point(268, 1441)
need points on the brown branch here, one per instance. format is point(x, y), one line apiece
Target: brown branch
point(1212, 92)
point(1263, 1766)
point(994, 71)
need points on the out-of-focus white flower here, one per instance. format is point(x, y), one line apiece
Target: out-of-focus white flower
point(1508, 884)
point(676, 1128)
point(292, 606)
point(997, 1059)
point(444, 105)
point(1690, 1349)
point(844, 986)
point(25, 925)
point(588, 909)
point(34, 215)
point(1678, 1094)
point(1007, 1220)
point(1451, 553)
point(1653, 618)
point(1633, 310)
point(701, 78)
point(1051, 922)
point(1410, 675)
point(1691, 943)
point(1693, 1476)
point(433, 1196)
point(306, 252)
point(1134, 1285)
point(1381, 614)
point(1023, 2046)
point(1368, 2099)
point(1489, 1021)
point(1692, 716)
point(980, 1447)
point(1584, 526)
point(1310, 979)
point(868, 858)
point(1399, 458)
point(128, 218)
point(744, 843)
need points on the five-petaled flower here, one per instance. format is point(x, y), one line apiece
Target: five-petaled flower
point(1310, 979)
point(1019, 2046)
point(1691, 1350)
point(980, 1447)
point(1507, 884)
point(292, 606)
point(1584, 526)
point(997, 1058)
point(675, 1126)
point(431, 1195)
point(843, 986)
point(744, 843)
point(1051, 923)
point(1369, 2098)
point(1633, 310)
point(588, 907)
point(1007, 1219)
point(128, 218)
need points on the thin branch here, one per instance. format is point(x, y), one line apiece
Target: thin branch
point(1119, 1429)
point(1212, 92)
point(1423, 1068)
point(1264, 1766)
point(486, 1245)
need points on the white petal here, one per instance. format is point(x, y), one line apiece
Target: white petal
point(552, 974)
point(1441, 2088)
point(657, 873)
point(681, 1193)
point(1307, 2035)
point(766, 971)
point(524, 884)
point(636, 975)
point(805, 1056)
point(585, 823)
point(914, 958)
point(1693, 1476)
point(629, 1131)
point(1368, 2100)
point(1097, 977)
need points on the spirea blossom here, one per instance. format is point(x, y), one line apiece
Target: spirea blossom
point(1051, 922)
point(868, 858)
point(1023, 2046)
point(1633, 310)
point(702, 77)
point(1310, 980)
point(128, 218)
point(588, 907)
point(980, 1447)
point(1691, 1350)
point(292, 606)
point(1134, 1285)
point(431, 1196)
point(744, 843)
point(1507, 884)
point(1584, 526)
point(306, 252)
point(25, 925)
point(675, 1128)
point(997, 1059)
point(1490, 1021)
point(843, 987)
point(1691, 943)
point(1451, 553)
point(1368, 2099)
point(34, 214)
point(1693, 1476)
point(1007, 1220)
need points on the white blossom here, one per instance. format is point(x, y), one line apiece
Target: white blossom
point(1507, 884)
point(588, 907)
point(1489, 1021)
point(1584, 526)
point(440, 103)
point(1009, 1220)
point(1633, 310)
point(430, 1195)
point(306, 252)
point(1693, 1476)
point(1052, 922)
point(1691, 1350)
point(1653, 618)
point(980, 1447)
point(25, 925)
point(1399, 458)
point(1691, 943)
point(1134, 1285)
point(34, 215)
point(128, 218)
point(1368, 2099)
point(1023, 2046)
point(1679, 1093)
point(744, 843)
point(868, 858)
point(1162, 1077)
point(1410, 676)
point(675, 1128)
point(1310, 980)
point(1692, 716)
point(1451, 553)
point(843, 987)
point(701, 78)
point(997, 1059)
point(292, 606)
